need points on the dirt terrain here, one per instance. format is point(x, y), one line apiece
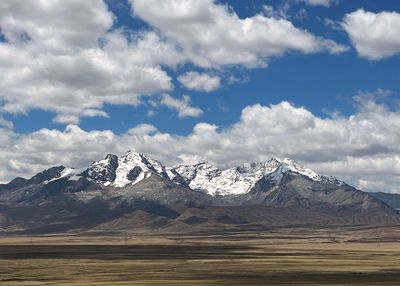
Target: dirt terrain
point(297, 256)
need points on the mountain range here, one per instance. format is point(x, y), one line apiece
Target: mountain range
point(135, 193)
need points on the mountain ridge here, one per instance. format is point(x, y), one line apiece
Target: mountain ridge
point(133, 167)
point(198, 197)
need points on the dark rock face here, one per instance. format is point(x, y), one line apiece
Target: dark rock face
point(147, 163)
point(298, 190)
point(134, 173)
point(177, 179)
point(17, 183)
point(53, 202)
point(263, 185)
point(392, 200)
point(104, 174)
point(46, 175)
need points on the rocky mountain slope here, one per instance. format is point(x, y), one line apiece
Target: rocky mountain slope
point(392, 200)
point(134, 192)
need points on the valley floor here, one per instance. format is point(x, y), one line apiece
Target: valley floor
point(336, 256)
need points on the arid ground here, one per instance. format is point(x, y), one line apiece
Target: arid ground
point(297, 256)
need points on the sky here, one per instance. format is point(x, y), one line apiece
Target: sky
point(187, 80)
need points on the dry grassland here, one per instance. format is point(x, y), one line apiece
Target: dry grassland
point(277, 257)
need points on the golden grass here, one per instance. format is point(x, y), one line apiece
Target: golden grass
point(278, 257)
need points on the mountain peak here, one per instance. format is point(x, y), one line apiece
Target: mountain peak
point(204, 164)
point(263, 166)
point(131, 154)
point(135, 178)
point(242, 179)
point(274, 159)
point(133, 167)
point(48, 174)
point(293, 166)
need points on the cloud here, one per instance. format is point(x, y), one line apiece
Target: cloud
point(5, 123)
point(74, 24)
point(361, 148)
point(182, 106)
point(80, 62)
point(279, 12)
point(77, 63)
point(79, 83)
point(213, 35)
point(325, 3)
point(67, 58)
point(200, 81)
point(374, 35)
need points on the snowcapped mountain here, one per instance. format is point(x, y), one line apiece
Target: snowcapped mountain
point(240, 180)
point(132, 168)
point(116, 191)
point(113, 171)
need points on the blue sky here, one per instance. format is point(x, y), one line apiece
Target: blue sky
point(138, 73)
point(321, 82)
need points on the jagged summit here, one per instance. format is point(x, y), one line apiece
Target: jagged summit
point(266, 166)
point(242, 179)
point(132, 168)
point(292, 165)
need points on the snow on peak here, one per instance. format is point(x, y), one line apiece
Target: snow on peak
point(67, 172)
point(234, 181)
point(134, 167)
point(293, 166)
point(260, 167)
point(103, 171)
point(130, 168)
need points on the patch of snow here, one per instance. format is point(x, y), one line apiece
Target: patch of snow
point(202, 176)
point(235, 181)
point(69, 173)
point(140, 178)
point(88, 195)
point(170, 174)
point(297, 168)
point(206, 177)
point(130, 160)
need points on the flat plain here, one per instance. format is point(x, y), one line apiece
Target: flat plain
point(291, 256)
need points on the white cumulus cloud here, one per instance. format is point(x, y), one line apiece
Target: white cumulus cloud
point(325, 3)
point(60, 56)
point(374, 35)
point(57, 25)
point(213, 35)
point(200, 81)
point(182, 106)
point(67, 58)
